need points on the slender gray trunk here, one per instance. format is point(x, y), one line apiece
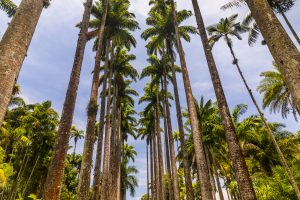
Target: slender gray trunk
point(97, 170)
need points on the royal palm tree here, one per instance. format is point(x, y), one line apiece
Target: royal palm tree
point(226, 29)
point(56, 169)
point(86, 165)
point(8, 6)
point(206, 190)
point(162, 34)
point(236, 156)
point(13, 47)
point(118, 24)
point(156, 71)
point(282, 48)
point(152, 97)
point(121, 99)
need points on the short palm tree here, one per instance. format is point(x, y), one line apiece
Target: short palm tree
point(276, 94)
point(77, 135)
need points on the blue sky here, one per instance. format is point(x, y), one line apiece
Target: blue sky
point(46, 70)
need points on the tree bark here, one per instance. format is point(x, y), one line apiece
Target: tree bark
point(57, 166)
point(211, 176)
point(206, 190)
point(88, 149)
point(283, 50)
point(170, 192)
point(13, 48)
point(156, 168)
point(153, 195)
point(269, 130)
point(186, 163)
point(147, 170)
point(160, 154)
point(221, 196)
point(235, 153)
point(171, 139)
point(105, 182)
point(113, 145)
point(97, 170)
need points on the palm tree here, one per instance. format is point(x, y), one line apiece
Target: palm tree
point(228, 28)
point(118, 23)
point(276, 94)
point(13, 47)
point(8, 6)
point(206, 191)
point(77, 135)
point(97, 169)
point(236, 156)
point(162, 37)
point(152, 97)
point(121, 99)
point(86, 165)
point(56, 169)
point(283, 50)
point(128, 179)
point(129, 153)
point(156, 71)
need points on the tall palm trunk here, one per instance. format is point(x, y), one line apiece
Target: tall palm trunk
point(221, 196)
point(88, 149)
point(211, 176)
point(14, 46)
point(170, 191)
point(269, 130)
point(153, 195)
point(147, 170)
point(75, 145)
point(206, 190)
point(156, 169)
point(120, 152)
point(105, 182)
point(289, 24)
point(171, 140)
point(113, 145)
point(159, 153)
point(282, 48)
point(235, 152)
point(186, 163)
point(57, 166)
point(97, 170)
